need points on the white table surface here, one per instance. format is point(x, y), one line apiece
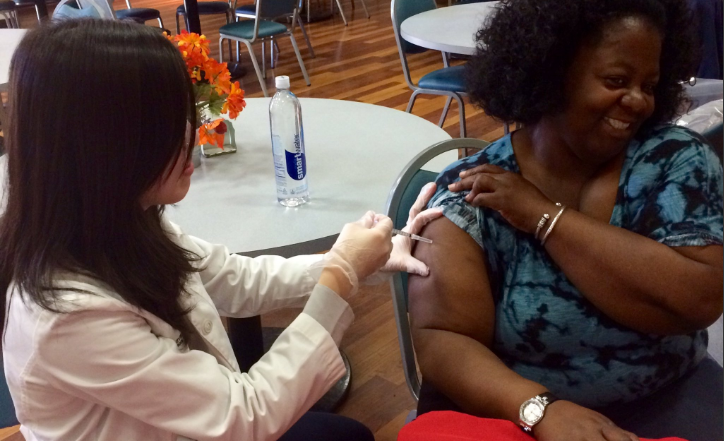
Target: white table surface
point(450, 29)
point(354, 153)
point(9, 40)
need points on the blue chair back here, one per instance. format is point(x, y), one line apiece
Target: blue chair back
point(402, 195)
point(7, 408)
point(402, 10)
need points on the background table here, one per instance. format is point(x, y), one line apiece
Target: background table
point(451, 29)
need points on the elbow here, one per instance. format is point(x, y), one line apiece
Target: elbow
point(700, 311)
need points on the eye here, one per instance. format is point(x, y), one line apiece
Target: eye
point(615, 82)
point(649, 88)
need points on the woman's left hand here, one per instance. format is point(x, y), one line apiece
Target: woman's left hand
point(510, 194)
point(401, 257)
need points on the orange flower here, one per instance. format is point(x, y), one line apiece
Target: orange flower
point(235, 101)
point(207, 134)
point(215, 94)
point(193, 42)
point(217, 75)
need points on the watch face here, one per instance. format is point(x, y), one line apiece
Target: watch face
point(531, 412)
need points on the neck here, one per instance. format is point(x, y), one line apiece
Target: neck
point(546, 146)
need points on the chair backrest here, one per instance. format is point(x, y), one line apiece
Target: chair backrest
point(402, 195)
point(91, 8)
point(401, 10)
point(7, 408)
point(269, 9)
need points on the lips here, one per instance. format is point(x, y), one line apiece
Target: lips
point(617, 123)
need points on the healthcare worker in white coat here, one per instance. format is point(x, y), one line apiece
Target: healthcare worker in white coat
point(112, 326)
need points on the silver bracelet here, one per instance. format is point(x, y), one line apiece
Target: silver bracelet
point(553, 224)
point(542, 222)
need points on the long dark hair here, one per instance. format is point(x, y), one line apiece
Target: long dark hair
point(98, 109)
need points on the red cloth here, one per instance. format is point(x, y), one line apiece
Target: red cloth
point(454, 426)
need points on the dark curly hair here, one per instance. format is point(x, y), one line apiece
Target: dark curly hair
point(526, 47)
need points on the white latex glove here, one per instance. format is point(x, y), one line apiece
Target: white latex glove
point(361, 248)
point(401, 257)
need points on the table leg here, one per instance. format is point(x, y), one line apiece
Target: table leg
point(193, 24)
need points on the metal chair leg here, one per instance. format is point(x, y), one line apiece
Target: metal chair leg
point(444, 111)
point(412, 101)
point(229, 19)
point(178, 26)
point(263, 58)
point(262, 83)
point(272, 52)
point(364, 5)
point(308, 13)
point(299, 58)
point(341, 12)
point(461, 106)
point(306, 38)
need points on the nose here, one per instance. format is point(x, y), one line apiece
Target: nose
point(635, 100)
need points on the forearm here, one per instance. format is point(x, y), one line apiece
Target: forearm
point(471, 375)
point(636, 281)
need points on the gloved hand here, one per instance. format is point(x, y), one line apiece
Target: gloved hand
point(361, 248)
point(401, 257)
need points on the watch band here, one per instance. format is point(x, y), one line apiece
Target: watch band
point(540, 401)
point(547, 398)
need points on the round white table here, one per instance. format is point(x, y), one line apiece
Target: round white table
point(451, 29)
point(9, 40)
point(354, 153)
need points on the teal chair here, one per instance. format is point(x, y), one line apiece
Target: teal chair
point(259, 30)
point(249, 11)
point(448, 81)
point(402, 195)
point(7, 408)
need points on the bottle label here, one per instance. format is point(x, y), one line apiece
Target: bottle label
point(296, 161)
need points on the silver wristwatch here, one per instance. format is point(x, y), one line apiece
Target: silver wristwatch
point(533, 410)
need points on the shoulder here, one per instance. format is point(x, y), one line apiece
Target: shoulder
point(499, 153)
point(666, 143)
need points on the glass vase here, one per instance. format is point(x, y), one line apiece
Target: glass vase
point(209, 150)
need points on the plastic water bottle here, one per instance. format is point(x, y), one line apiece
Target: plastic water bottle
point(287, 135)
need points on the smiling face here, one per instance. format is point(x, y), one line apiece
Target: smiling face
point(610, 90)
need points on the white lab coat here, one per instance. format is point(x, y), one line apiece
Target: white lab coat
point(108, 371)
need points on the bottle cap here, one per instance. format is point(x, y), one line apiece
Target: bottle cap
point(282, 82)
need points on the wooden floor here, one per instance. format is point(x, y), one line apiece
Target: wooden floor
point(358, 62)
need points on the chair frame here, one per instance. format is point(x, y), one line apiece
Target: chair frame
point(331, 7)
point(160, 21)
point(11, 16)
point(274, 45)
point(229, 15)
point(399, 300)
point(255, 38)
point(417, 90)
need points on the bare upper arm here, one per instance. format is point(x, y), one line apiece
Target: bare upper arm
point(456, 295)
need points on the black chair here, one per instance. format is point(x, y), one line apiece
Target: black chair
point(140, 15)
point(208, 8)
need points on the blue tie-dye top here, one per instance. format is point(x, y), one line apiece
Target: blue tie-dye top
point(670, 190)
